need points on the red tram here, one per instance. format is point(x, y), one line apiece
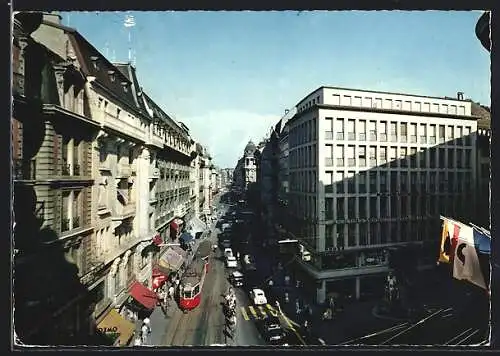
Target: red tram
point(192, 284)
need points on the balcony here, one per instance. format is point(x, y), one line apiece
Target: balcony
point(24, 170)
point(124, 211)
point(123, 171)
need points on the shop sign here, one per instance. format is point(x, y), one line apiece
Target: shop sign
point(107, 330)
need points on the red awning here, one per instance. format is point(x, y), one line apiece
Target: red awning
point(157, 240)
point(174, 225)
point(143, 295)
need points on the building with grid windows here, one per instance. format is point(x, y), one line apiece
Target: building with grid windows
point(370, 171)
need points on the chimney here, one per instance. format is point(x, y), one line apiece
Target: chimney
point(52, 17)
point(286, 111)
point(460, 95)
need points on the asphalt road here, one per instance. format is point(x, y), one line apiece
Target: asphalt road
point(205, 325)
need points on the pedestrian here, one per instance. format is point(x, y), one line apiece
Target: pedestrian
point(137, 341)
point(287, 299)
point(144, 333)
point(287, 280)
point(297, 307)
point(171, 291)
point(298, 284)
point(278, 306)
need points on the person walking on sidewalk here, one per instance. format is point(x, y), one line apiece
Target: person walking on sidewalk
point(171, 291)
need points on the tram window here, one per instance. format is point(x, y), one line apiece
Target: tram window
point(196, 290)
point(187, 293)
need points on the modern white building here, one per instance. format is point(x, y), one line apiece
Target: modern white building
point(370, 170)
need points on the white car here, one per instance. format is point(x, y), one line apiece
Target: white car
point(228, 252)
point(231, 262)
point(258, 297)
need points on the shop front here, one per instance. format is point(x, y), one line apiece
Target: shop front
point(116, 329)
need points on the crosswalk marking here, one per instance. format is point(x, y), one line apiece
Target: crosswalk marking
point(272, 311)
point(252, 310)
point(262, 310)
point(244, 313)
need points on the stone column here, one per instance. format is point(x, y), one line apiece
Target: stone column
point(321, 292)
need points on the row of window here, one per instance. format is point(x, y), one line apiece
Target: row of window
point(412, 157)
point(302, 133)
point(385, 131)
point(336, 182)
point(353, 235)
point(394, 207)
point(397, 104)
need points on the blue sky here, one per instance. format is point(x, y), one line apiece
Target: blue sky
point(230, 75)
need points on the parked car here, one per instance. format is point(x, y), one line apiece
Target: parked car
point(249, 263)
point(231, 262)
point(258, 297)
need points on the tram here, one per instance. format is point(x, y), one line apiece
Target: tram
point(192, 284)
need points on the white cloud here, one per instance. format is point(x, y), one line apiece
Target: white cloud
point(226, 133)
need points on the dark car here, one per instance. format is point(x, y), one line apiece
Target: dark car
point(271, 330)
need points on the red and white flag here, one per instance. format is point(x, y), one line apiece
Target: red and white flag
point(465, 260)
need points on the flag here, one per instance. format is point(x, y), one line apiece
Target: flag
point(449, 239)
point(465, 261)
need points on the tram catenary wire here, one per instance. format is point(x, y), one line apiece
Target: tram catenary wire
point(377, 333)
point(449, 342)
point(420, 322)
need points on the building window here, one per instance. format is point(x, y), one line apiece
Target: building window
point(362, 130)
point(468, 161)
point(373, 156)
point(329, 128)
point(362, 208)
point(351, 208)
point(432, 138)
point(71, 210)
point(351, 235)
point(423, 133)
point(340, 209)
point(413, 133)
point(339, 129)
point(329, 208)
point(356, 101)
point(393, 157)
point(404, 182)
point(383, 155)
point(407, 105)
point(373, 182)
point(451, 157)
point(362, 156)
point(351, 134)
point(383, 131)
point(340, 155)
point(340, 237)
point(328, 236)
point(394, 131)
point(467, 136)
point(404, 133)
point(423, 158)
point(403, 153)
point(339, 181)
point(373, 207)
point(417, 106)
point(413, 157)
point(362, 182)
point(351, 182)
point(351, 160)
point(451, 134)
point(388, 104)
point(432, 157)
point(373, 130)
point(363, 234)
